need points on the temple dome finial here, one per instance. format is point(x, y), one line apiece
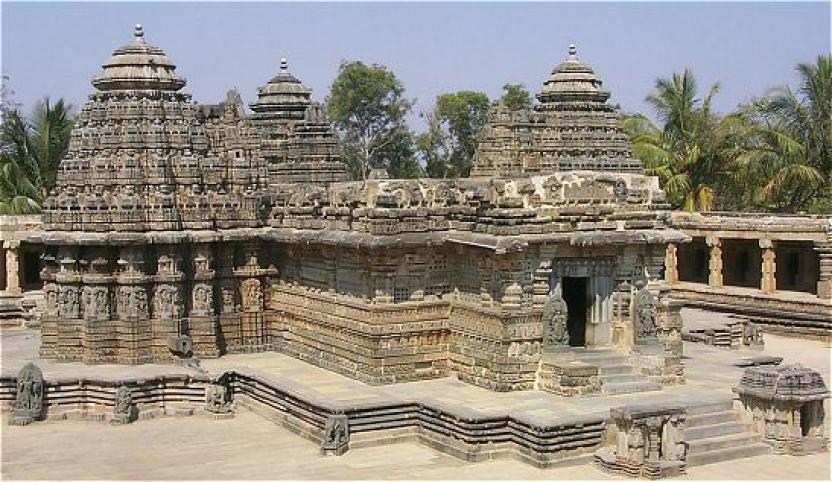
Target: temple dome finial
point(573, 50)
point(284, 64)
point(138, 33)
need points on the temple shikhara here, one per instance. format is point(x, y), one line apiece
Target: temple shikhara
point(181, 229)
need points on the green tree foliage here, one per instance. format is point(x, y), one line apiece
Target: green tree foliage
point(790, 156)
point(30, 151)
point(516, 97)
point(368, 109)
point(691, 153)
point(772, 154)
point(454, 126)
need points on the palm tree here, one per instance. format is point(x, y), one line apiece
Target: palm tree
point(792, 151)
point(689, 152)
point(30, 151)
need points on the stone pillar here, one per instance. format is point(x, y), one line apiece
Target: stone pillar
point(768, 281)
point(671, 269)
point(824, 250)
point(715, 263)
point(12, 267)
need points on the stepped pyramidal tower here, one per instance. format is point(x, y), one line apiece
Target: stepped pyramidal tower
point(179, 229)
point(571, 128)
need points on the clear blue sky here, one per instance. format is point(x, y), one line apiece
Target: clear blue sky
point(55, 48)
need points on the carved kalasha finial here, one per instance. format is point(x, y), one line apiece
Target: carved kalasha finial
point(284, 64)
point(573, 50)
point(138, 33)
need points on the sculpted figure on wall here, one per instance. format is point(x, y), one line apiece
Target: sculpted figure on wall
point(203, 299)
point(644, 312)
point(167, 302)
point(252, 295)
point(132, 302)
point(96, 303)
point(51, 294)
point(554, 321)
point(68, 302)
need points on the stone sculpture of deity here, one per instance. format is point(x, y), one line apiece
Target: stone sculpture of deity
point(203, 295)
point(123, 410)
point(555, 316)
point(28, 405)
point(644, 312)
point(217, 398)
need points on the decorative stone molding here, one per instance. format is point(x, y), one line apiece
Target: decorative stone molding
point(650, 442)
point(786, 405)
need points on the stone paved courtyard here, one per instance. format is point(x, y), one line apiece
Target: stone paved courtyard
point(247, 448)
point(250, 448)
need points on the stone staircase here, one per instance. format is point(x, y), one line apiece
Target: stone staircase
point(715, 433)
point(616, 374)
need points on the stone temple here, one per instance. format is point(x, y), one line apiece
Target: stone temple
point(178, 229)
point(213, 260)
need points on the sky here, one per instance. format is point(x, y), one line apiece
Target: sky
point(55, 49)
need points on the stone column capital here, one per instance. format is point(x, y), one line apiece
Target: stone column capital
point(766, 243)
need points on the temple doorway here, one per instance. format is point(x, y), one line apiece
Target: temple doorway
point(576, 295)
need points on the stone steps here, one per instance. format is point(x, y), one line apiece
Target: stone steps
point(714, 433)
point(706, 408)
point(616, 370)
point(728, 454)
point(710, 419)
point(629, 387)
point(723, 442)
point(629, 377)
point(617, 375)
point(714, 430)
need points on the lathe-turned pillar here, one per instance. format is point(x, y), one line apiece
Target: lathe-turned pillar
point(768, 280)
point(824, 250)
point(715, 263)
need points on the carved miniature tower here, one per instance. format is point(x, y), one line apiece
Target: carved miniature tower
point(296, 140)
point(571, 128)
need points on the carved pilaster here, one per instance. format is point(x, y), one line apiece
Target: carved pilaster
point(768, 280)
point(715, 263)
point(12, 267)
point(671, 267)
point(137, 345)
point(824, 250)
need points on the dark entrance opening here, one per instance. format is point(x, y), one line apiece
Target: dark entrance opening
point(576, 295)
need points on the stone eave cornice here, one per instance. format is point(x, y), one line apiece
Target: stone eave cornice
point(498, 244)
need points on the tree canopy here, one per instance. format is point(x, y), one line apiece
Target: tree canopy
point(30, 152)
point(454, 126)
point(516, 97)
point(368, 108)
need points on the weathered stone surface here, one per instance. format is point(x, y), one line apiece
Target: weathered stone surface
point(28, 404)
point(181, 230)
point(786, 405)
